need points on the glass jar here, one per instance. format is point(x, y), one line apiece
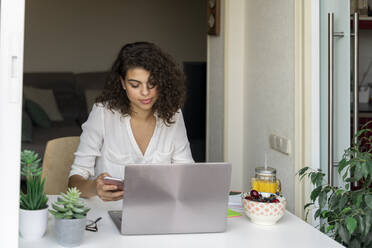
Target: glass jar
point(265, 180)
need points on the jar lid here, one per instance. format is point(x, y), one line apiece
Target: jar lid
point(265, 171)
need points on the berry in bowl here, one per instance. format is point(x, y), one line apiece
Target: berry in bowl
point(263, 210)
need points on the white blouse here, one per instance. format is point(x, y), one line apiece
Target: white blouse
point(107, 144)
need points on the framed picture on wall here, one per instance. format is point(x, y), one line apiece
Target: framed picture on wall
point(213, 17)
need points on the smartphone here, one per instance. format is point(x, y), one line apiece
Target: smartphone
point(114, 181)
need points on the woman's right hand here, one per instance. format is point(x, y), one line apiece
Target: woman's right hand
point(107, 192)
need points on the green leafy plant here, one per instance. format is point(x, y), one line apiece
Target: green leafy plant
point(35, 197)
point(71, 205)
point(346, 215)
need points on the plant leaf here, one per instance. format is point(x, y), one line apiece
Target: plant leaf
point(302, 177)
point(322, 199)
point(345, 210)
point(368, 222)
point(334, 200)
point(368, 200)
point(303, 170)
point(345, 174)
point(354, 243)
point(329, 228)
point(60, 209)
point(358, 173)
point(308, 205)
point(368, 240)
point(317, 178)
point(317, 213)
point(77, 210)
point(86, 210)
point(369, 166)
point(306, 214)
point(313, 177)
point(365, 171)
point(78, 216)
point(340, 191)
point(322, 228)
point(345, 236)
point(357, 199)
point(79, 205)
point(328, 188)
point(56, 214)
point(361, 224)
point(343, 201)
point(314, 194)
point(351, 224)
point(343, 163)
point(351, 179)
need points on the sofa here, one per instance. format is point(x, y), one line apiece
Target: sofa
point(73, 95)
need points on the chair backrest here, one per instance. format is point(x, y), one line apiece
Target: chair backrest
point(58, 158)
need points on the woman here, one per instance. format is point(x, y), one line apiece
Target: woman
point(136, 119)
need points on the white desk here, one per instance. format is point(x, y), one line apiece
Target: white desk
point(290, 231)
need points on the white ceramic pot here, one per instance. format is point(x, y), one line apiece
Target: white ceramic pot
point(33, 223)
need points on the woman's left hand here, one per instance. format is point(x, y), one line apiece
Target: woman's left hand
point(107, 192)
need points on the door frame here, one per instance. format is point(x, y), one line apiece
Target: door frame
point(12, 13)
point(315, 89)
point(307, 112)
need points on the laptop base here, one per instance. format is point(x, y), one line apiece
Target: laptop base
point(116, 216)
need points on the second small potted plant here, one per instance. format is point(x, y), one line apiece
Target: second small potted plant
point(70, 218)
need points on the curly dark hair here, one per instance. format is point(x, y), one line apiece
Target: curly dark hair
point(165, 73)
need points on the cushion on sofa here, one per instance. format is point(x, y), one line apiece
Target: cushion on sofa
point(45, 98)
point(26, 127)
point(63, 86)
point(37, 114)
point(70, 103)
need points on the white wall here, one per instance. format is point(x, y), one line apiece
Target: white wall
point(86, 35)
point(259, 88)
point(269, 88)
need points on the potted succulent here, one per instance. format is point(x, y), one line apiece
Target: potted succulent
point(33, 214)
point(345, 214)
point(70, 218)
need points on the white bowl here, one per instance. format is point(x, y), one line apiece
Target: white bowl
point(264, 213)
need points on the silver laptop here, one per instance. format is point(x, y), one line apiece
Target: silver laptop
point(174, 198)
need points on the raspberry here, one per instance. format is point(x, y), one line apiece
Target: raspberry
point(254, 194)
